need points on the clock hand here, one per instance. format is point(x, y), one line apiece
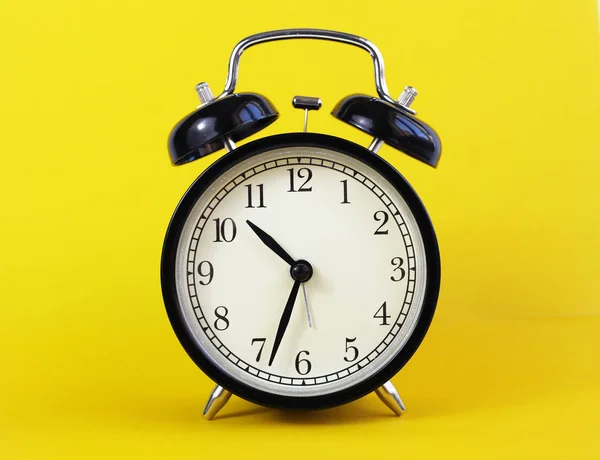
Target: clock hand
point(277, 249)
point(307, 307)
point(271, 243)
point(285, 319)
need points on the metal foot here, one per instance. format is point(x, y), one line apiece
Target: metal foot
point(217, 399)
point(390, 397)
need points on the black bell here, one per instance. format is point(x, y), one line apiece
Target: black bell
point(393, 125)
point(202, 132)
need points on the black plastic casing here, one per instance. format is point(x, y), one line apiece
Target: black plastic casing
point(207, 179)
point(393, 125)
point(203, 131)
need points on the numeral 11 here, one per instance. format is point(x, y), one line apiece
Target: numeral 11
point(261, 196)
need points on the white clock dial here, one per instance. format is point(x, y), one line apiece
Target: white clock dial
point(365, 295)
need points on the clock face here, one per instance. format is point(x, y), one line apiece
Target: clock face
point(290, 336)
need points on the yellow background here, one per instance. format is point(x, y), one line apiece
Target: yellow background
point(89, 92)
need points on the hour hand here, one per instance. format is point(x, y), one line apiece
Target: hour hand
point(271, 243)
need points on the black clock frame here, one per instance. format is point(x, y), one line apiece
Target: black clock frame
point(207, 178)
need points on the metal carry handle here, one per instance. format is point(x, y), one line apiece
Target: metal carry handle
point(318, 34)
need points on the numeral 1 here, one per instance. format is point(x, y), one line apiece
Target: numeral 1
point(261, 197)
point(345, 188)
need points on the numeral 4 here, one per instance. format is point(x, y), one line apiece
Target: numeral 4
point(382, 315)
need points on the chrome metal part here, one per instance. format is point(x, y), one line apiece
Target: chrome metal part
point(375, 145)
point(407, 96)
point(317, 34)
point(390, 397)
point(229, 144)
point(217, 399)
point(306, 103)
point(205, 95)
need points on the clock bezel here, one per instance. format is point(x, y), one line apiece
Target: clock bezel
point(207, 178)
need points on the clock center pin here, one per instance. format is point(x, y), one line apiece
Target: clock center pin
point(301, 271)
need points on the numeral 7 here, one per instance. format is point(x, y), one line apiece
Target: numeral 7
point(259, 339)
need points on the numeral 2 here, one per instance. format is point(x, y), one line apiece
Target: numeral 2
point(303, 173)
point(381, 216)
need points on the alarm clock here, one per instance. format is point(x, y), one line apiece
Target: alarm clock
point(300, 270)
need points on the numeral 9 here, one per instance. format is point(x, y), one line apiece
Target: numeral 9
point(205, 270)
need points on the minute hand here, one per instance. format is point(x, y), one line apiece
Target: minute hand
point(285, 319)
point(271, 244)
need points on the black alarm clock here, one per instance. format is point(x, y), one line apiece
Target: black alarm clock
point(300, 270)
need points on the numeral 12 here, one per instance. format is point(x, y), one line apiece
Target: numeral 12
point(303, 173)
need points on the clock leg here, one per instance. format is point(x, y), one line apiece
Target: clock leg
point(390, 397)
point(217, 399)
